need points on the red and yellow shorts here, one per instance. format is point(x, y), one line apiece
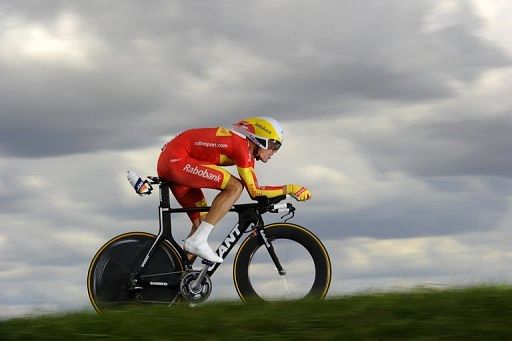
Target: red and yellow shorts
point(188, 176)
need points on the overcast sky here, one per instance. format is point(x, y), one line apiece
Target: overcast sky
point(397, 116)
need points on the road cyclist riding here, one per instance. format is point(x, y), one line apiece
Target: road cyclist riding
point(274, 262)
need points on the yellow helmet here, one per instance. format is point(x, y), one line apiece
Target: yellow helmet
point(264, 131)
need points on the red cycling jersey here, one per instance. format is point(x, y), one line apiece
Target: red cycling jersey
point(191, 161)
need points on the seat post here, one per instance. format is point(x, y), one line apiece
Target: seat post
point(165, 210)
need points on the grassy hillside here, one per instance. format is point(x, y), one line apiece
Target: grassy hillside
point(475, 313)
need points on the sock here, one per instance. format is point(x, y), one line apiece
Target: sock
point(202, 232)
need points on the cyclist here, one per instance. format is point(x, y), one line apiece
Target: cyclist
point(192, 160)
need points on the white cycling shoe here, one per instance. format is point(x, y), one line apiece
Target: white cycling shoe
point(201, 249)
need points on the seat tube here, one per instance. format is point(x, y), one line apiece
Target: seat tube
point(165, 225)
point(165, 221)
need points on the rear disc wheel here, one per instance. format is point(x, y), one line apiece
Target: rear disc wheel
point(110, 271)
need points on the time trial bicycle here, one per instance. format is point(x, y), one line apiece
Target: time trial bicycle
point(274, 262)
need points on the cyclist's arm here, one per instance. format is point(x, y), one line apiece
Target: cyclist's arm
point(251, 184)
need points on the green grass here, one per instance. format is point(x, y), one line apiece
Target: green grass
point(462, 314)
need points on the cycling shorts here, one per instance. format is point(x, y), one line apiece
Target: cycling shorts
point(187, 176)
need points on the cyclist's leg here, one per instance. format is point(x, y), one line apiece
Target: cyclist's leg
point(197, 242)
point(224, 200)
point(188, 174)
point(197, 174)
point(190, 197)
point(194, 173)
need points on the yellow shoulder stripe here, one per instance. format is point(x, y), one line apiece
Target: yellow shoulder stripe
point(221, 131)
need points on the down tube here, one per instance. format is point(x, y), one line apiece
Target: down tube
point(227, 245)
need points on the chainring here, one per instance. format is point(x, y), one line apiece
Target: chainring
point(195, 295)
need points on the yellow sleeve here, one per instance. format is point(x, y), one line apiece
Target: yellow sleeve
point(251, 183)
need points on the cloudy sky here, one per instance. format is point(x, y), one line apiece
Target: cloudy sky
point(396, 116)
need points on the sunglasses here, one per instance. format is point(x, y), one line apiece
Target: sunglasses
point(269, 143)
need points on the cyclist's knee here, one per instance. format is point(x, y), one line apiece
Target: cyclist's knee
point(234, 186)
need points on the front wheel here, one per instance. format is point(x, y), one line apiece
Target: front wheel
point(108, 279)
point(302, 255)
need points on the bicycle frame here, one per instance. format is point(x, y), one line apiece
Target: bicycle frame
point(249, 216)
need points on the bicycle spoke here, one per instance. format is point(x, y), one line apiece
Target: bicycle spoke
point(286, 284)
point(297, 263)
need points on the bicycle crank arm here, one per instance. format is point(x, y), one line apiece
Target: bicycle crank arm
point(195, 285)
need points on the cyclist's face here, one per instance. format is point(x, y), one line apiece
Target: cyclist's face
point(265, 154)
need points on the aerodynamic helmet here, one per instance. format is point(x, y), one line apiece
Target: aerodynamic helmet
point(264, 131)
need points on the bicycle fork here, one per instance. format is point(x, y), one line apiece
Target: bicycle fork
point(271, 251)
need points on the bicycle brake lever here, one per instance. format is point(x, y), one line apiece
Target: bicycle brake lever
point(292, 213)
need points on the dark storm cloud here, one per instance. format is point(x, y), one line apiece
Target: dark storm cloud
point(480, 147)
point(314, 58)
point(50, 111)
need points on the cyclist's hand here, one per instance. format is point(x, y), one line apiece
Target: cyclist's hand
point(298, 192)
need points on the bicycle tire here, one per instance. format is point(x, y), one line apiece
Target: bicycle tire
point(108, 278)
point(296, 236)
